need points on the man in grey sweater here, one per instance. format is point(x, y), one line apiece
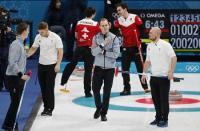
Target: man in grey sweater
point(15, 77)
point(106, 49)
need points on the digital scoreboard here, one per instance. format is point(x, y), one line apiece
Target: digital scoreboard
point(179, 27)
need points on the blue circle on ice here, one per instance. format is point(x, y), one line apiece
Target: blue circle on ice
point(89, 102)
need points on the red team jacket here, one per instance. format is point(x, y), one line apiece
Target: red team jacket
point(86, 29)
point(129, 29)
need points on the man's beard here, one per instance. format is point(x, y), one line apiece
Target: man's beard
point(154, 38)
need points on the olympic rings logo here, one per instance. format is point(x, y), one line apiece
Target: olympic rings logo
point(115, 15)
point(192, 68)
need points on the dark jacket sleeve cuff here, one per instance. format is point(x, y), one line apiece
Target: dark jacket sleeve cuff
point(20, 74)
point(101, 47)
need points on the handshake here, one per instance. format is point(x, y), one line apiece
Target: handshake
point(27, 75)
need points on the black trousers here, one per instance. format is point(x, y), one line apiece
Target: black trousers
point(128, 54)
point(86, 55)
point(160, 94)
point(15, 86)
point(3, 66)
point(99, 76)
point(46, 77)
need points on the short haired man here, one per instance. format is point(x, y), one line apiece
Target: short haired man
point(106, 49)
point(162, 59)
point(51, 53)
point(15, 77)
point(85, 31)
point(129, 25)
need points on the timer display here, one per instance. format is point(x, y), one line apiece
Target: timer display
point(179, 27)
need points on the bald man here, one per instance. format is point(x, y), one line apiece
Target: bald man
point(162, 59)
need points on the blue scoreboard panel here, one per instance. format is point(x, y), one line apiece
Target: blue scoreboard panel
point(179, 27)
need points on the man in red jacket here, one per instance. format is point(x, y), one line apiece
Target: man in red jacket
point(84, 33)
point(129, 25)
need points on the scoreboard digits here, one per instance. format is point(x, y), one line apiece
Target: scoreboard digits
point(180, 27)
point(184, 31)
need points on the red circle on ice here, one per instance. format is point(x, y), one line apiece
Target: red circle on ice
point(182, 101)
